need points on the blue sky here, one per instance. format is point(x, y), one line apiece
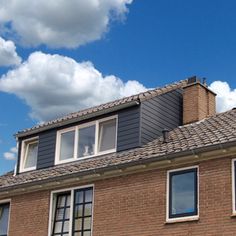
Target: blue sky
point(61, 57)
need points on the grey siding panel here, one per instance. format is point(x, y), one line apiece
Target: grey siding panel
point(46, 149)
point(164, 111)
point(128, 133)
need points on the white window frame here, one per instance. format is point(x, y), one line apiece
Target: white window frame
point(233, 187)
point(24, 150)
point(5, 201)
point(53, 205)
point(183, 218)
point(76, 129)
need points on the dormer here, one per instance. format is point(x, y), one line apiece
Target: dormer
point(108, 128)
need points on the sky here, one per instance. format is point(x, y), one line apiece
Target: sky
point(61, 56)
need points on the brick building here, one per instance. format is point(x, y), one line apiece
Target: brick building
point(157, 163)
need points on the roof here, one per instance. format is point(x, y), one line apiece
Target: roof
point(104, 108)
point(217, 130)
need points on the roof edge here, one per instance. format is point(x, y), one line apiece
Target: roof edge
point(192, 154)
point(76, 119)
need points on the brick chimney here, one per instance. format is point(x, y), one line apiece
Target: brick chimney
point(198, 101)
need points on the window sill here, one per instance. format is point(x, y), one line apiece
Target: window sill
point(182, 219)
point(27, 169)
point(85, 157)
point(233, 215)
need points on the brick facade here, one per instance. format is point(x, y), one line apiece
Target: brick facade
point(135, 205)
point(198, 103)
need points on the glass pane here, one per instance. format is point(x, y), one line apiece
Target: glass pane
point(58, 227)
point(88, 209)
point(78, 211)
point(31, 155)
point(107, 135)
point(86, 141)
point(4, 213)
point(89, 195)
point(87, 233)
point(62, 215)
point(87, 223)
point(67, 145)
point(183, 193)
point(77, 234)
point(79, 196)
point(66, 226)
point(78, 224)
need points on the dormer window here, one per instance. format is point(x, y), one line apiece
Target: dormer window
point(29, 154)
point(86, 140)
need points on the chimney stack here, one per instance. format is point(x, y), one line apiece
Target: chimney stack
point(198, 101)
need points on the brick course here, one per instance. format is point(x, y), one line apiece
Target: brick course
point(135, 205)
point(198, 103)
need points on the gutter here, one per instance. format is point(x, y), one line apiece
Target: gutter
point(124, 168)
point(76, 119)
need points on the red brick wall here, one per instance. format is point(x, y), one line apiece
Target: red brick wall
point(29, 214)
point(198, 103)
point(135, 205)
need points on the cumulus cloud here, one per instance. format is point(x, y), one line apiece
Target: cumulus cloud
point(54, 85)
point(8, 55)
point(226, 96)
point(59, 23)
point(11, 155)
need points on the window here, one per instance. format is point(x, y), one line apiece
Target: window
point(29, 154)
point(182, 193)
point(4, 218)
point(87, 140)
point(72, 213)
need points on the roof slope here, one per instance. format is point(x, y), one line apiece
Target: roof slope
point(217, 130)
point(103, 107)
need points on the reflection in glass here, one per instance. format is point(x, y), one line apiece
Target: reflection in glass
point(67, 145)
point(183, 193)
point(107, 135)
point(86, 141)
point(4, 215)
point(31, 155)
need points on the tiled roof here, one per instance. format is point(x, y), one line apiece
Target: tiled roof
point(217, 130)
point(138, 97)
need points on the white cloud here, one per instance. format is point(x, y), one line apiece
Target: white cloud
point(11, 155)
point(54, 85)
point(59, 23)
point(8, 55)
point(226, 96)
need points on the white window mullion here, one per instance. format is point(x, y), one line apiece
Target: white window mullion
point(71, 212)
point(76, 142)
point(25, 154)
point(96, 137)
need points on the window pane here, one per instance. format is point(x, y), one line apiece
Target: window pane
point(89, 195)
point(4, 214)
point(107, 135)
point(62, 214)
point(31, 155)
point(79, 196)
point(183, 193)
point(78, 224)
point(88, 209)
point(83, 210)
point(87, 233)
point(67, 145)
point(86, 141)
point(87, 223)
point(78, 211)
